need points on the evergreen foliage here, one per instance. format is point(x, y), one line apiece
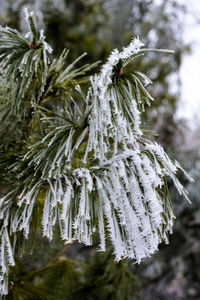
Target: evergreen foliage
point(62, 278)
point(83, 162)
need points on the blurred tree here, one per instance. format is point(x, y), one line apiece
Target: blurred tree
point(98, 277)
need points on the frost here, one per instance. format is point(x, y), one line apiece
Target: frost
point(107, 118)
point(133, 48)
point(119, 190)
point(28, 14)
point(47, 47)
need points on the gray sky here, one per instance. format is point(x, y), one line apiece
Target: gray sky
point(189, 106)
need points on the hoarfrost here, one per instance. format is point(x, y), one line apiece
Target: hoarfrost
point(119, 196)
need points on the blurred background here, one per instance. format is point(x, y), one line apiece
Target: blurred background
point(96, 27)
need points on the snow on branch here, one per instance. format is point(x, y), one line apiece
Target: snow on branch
point(120, 190)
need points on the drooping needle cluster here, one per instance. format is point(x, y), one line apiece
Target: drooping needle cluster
point(93, 171)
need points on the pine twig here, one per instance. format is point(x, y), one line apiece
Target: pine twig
point(31, 274)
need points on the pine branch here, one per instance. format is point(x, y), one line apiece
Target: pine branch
point(37, 271)
point(92, 169)
point(25, 63)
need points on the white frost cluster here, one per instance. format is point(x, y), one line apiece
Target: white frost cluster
point(129, 207)
point(108, 118)
point(27, 14)
point(121, 197)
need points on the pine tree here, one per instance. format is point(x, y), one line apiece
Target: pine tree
point(74, 154)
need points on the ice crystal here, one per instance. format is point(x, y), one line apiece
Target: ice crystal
point(121, 196)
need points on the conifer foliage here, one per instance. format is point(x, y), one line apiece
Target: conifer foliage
point(82, 161)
